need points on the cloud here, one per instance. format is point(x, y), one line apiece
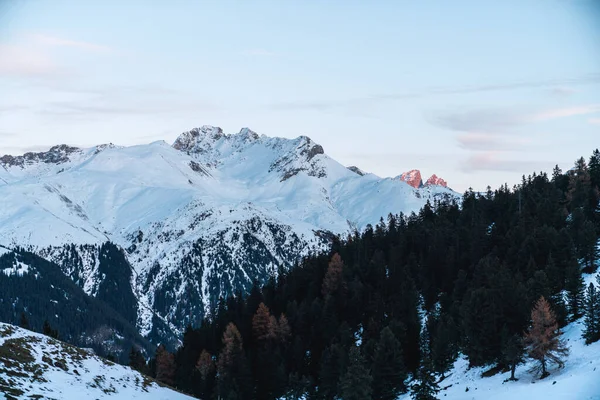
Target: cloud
point(565, 112)
point(486, 141)
point(257, 53)
point(26, 62)
point(592, 78)
point(31, 56)
point(594, 121)
point(563, 91)
point(501, 121)
point(61, 42)
point(489, 161)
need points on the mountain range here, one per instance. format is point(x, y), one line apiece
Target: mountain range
point(176, 227)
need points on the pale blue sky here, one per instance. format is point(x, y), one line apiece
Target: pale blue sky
point(478, 92)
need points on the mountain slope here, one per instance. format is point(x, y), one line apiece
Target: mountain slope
point(35, 366)
point(198, 220)
point(38, 289)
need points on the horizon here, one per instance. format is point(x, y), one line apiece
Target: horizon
point(478, 94)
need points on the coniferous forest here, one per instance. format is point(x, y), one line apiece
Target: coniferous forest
point(493, 279)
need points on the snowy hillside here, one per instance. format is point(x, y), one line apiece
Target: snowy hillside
point(35, 366)
point(196, 220)
point(578, 380)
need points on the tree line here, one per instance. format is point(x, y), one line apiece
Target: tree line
point(493, 279)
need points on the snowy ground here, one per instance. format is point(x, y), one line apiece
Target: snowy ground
point(578, 380)
point(35, 366)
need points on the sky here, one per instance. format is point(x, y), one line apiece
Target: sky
point(477, 92)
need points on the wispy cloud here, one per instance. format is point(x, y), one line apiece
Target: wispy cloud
point(257, 53)
point(32, 56)
point(26, 62)
point(58, 41)
point(490, 161)
point(563, 91)
point(594, 121)
point(588, 79)
point(485, 141)
point(491, 132)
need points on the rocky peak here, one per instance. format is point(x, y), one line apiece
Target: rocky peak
point(435, 180)
point(413, 178)
point(356, 170)
point(56, 155)
point(191, 140)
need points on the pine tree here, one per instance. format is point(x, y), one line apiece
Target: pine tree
point(24, 322)
point(388, 367)
point(48, 331)
point(165, 366)
point(591, 332)
point(543, 341)
point(512, 352)
point(425, 387)
point(574, 286)
point(136, 360)
point(356, 382)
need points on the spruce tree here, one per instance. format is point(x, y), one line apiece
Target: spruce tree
point(425, 386)
point(356, 382)
point(24, 322)
point(591, 331)
point(388, 367)
point(136, 360)
point(165, 366)
point(575, 287)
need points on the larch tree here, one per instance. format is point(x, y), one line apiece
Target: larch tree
point(543, 342)
point(263, 324)
point(333, 277)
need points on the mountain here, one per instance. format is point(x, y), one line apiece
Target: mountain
point(33, 366)
point(189, 223)
point(38, 290)
point(435, 180)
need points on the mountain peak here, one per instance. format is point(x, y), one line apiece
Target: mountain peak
point(435, 180)
point(55, 155)
point(413, 178)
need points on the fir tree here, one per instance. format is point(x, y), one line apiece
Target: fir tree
point(136, 360)
point(591, 332)
point(388, 367)
point(543, 341)
point(24, 322)
point(48, 331)
point(574, 287)
point(425, 387)
point(356, 382)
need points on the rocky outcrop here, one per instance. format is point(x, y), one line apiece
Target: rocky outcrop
point(435, 180)
point(413, 178)
point(56, 155)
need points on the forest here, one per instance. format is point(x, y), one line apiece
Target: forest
point(397, 303)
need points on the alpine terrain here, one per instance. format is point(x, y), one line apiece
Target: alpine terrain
point(160, 232)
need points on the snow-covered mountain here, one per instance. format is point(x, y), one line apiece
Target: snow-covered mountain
point(196, 220)
point(33, 366)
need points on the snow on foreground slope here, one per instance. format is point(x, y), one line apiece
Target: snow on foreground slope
point(36, 366)
point(198, 220)
point(578, 380)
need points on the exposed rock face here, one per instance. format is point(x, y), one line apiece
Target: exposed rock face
point(435, 180)
point(56, 155)
point(356, 170)
point(413, 178)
